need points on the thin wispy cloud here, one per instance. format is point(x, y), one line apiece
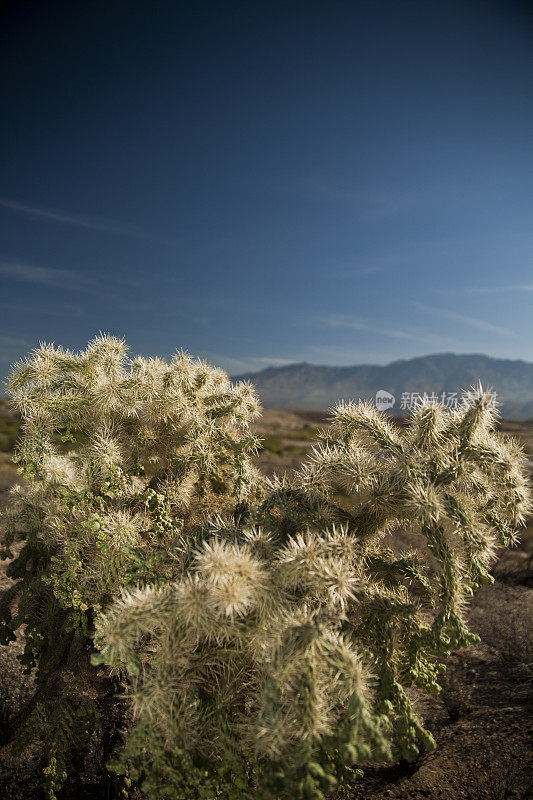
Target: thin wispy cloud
point(275, 361)
point(113, 286)
point(243, 364)
point(84, 221)
point(511, 287)
point(12, 348)
point(364, 271)
point(376, 265)
point(464, 319)
point(369, 204)
point(59, 310)
point(12, 341)
point(358, 324)
point(232, 365)
point(13, 269)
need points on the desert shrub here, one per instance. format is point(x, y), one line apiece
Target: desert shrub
point(273, 444)
point(9, 427)
point(122, 458)
point(15, 690)
point(284, 648)
point(264, 636)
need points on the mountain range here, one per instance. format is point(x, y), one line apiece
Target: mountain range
point(446, 375)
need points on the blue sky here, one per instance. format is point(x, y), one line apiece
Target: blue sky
point(268, 182)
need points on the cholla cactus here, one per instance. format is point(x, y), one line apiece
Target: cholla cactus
point(123, 458)
point(283, 649)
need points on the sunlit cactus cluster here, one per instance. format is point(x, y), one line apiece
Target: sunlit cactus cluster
point(291, 640)
point(265, 634)
point(122, 456)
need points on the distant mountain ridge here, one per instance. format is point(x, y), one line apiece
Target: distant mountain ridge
point(306, 386)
